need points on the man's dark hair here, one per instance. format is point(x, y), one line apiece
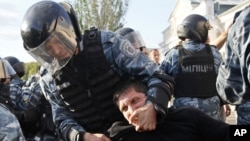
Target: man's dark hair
point(125, 85)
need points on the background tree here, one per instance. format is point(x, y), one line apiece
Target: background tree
point(103, 14)
point(30, 69)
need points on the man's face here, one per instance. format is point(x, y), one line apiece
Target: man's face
point(57, 48)
point(156, 56)
point(130, 101)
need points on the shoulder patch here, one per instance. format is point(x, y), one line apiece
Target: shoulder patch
point(128, 49)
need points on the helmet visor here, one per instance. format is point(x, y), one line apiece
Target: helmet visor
point(136, 39)
point(6, 71)
point(55, 52)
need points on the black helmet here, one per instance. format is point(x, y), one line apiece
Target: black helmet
point(194, 27)
point(133, 36)
point(42, 18)
point(17, 65)
point(46, 22)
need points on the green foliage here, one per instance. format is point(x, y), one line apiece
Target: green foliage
point(30, 68)
point(103, 14)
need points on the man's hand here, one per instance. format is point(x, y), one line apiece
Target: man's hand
point(95, 137)
point(144, 118)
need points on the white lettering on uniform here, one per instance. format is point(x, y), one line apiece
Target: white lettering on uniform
point(197, 68)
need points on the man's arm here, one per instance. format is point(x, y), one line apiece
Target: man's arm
point(221, 39)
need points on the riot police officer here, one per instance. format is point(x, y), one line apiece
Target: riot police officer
point(33, 98)
point(28, 117)
point(233, 77)
point(9, 126)
point(16, 81)
point(196, 62)
point(17, 65)
point(81, 71)
point(134, 37)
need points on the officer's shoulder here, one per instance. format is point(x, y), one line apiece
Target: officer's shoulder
point(107, 32)
point(107, 35)
point(173, 49)
point(213, 46)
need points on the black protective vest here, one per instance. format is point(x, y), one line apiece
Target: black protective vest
point(196, 77)
point(87, 85)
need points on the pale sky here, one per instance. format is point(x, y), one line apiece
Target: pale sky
point(149, 17)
